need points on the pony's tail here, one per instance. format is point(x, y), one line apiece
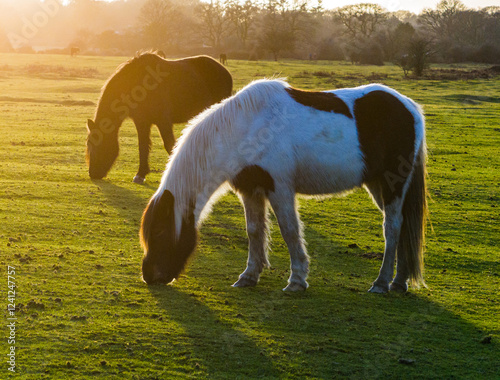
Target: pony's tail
point(412, 238)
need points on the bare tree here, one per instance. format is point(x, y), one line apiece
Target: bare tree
point(215, 23)
point(243, 17)
point(469, 27)
point(361, 20)
point(159, 21)
point(273, 36)
point(395, 42)
point(284, 24)
point(440, 21)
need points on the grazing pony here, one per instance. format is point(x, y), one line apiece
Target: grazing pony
point(223, 58)
point(151, 90)
point(271, 141)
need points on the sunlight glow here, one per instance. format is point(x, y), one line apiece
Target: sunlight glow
point(409, 5)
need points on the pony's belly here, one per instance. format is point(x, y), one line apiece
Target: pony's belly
point(330, 162)
point(320, 180)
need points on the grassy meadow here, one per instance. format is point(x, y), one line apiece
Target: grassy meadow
point(83, 311)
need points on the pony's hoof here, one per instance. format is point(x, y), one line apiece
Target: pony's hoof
point(244, 282)
point(378, 289)
point(398, 288)
point(295, 287)
point(138, 179)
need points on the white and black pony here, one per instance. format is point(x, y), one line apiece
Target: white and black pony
point(151, 90)
point(270, 142)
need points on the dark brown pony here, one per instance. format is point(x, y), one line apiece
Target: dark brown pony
point(151, 90)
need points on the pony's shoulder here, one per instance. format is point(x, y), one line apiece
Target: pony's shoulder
point(143, 57)
point(260, 86)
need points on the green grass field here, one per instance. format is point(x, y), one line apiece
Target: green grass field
point(83, 311)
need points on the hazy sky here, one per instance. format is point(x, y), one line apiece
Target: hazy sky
point(396, 5)
point(409, 5)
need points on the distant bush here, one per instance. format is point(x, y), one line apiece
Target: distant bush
point(329, 50)
point(417, 58)
point(238, 54)
point(26, 49)
point(486, 54)
point(371, 54)
point(458, 54)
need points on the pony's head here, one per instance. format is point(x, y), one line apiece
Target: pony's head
point(102, 148)
point(165, 255)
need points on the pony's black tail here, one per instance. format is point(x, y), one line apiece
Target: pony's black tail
point(412, 238)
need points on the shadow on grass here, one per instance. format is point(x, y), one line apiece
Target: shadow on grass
point(126, 201)
point(217, 347)
point(323, 333)
point(334, 329)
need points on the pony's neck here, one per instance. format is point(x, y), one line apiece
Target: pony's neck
point(196, 201)
point(111, 108)
point(105, 111)
point(195, 190)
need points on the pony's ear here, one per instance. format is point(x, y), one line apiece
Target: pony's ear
point(163, 216)
point(165, 205)
point(90, 124)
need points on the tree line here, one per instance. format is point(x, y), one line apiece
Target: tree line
point(274, 29)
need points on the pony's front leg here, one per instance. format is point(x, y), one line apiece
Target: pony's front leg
point(257, 231)
point(167, 135)
point(393, 220)
point(283, 204)
point(144, 134)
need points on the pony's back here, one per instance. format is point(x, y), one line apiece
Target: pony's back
point(217, 77)
point(149, 84)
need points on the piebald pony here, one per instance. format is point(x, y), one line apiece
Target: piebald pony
point(271, 141)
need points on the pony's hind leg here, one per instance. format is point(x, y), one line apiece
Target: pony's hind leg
point(283, 204)
point(400, 282)
point(257, 231)
point(144, 134)
point(393, 220)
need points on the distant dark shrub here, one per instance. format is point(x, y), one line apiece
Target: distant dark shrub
point(329, 50)
point(371, 55)
point(419, 53)
point(458, 54)
point(238, 54)
point(26, 49)
point(417, 58)
point(253, 57)
point(486, 54)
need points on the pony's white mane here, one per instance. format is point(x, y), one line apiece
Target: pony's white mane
point(192, 157)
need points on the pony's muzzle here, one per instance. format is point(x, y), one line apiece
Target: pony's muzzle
point(157, 279)
point(93, 174)
point(152, 275)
